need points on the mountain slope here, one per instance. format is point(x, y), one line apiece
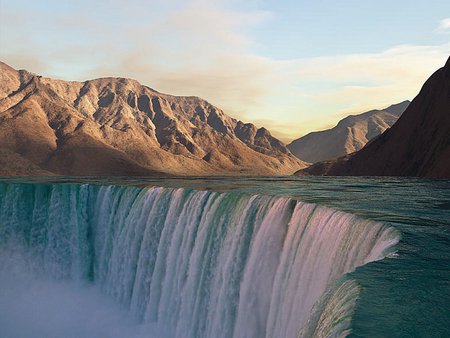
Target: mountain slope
point(116, 126)
point(418, 144)
point(349, 135)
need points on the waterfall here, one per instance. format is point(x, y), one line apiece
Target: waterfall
point(197, 263)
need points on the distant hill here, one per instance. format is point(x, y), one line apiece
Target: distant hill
point(418, 144)
point(116, 126)
point(349, 135)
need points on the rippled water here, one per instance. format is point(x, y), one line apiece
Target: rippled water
point(405, 296)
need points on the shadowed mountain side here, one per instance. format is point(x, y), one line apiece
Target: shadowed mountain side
point(349, 135)
point(116, 126)
point(418, 144)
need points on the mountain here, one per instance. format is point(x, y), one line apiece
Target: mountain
point(418, 144)
point(349, 135)
point(116, 126)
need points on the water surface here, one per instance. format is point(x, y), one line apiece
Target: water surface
point(405, 295)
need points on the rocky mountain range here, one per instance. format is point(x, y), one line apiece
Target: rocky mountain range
point(349, 135)
point(116, 126)
point(418, 144)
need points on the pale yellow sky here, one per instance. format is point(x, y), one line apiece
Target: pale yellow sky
point(251, 61)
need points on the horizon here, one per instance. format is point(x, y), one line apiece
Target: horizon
point(275, 66)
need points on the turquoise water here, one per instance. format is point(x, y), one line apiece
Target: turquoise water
point(408, 296)
point(404, 295)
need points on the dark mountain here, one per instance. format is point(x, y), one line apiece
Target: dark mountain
point(418, 144)
point(349, 135)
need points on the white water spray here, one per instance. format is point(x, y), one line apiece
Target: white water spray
point(188, 263)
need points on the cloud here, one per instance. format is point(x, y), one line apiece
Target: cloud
point(444, 26)
point(314, 93)
point(365, 81)
point(203, 48)
point(183, 48)
point(391, 64)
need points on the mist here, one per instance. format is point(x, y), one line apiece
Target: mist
point(33, 305)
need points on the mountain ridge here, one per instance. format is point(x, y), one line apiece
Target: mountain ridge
point(349, 135)
point(417, 145)
point(116, 126)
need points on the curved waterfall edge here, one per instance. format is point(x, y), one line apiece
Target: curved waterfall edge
point(227, 264)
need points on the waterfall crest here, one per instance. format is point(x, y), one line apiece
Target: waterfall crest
point(198, 263)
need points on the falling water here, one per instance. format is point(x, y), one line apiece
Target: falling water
point(187, 263)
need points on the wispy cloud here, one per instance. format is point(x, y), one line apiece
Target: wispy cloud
point(444, 26)
point(203, 48)
point(363, 81)
point(316, 92)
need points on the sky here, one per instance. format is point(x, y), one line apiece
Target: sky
point(291, 66)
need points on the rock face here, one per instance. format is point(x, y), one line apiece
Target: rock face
point(116, 126)
point(349, 135)
point(418, 144)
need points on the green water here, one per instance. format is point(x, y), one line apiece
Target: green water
point(407, 295)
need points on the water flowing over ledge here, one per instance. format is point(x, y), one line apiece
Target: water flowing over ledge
point(197, 263)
